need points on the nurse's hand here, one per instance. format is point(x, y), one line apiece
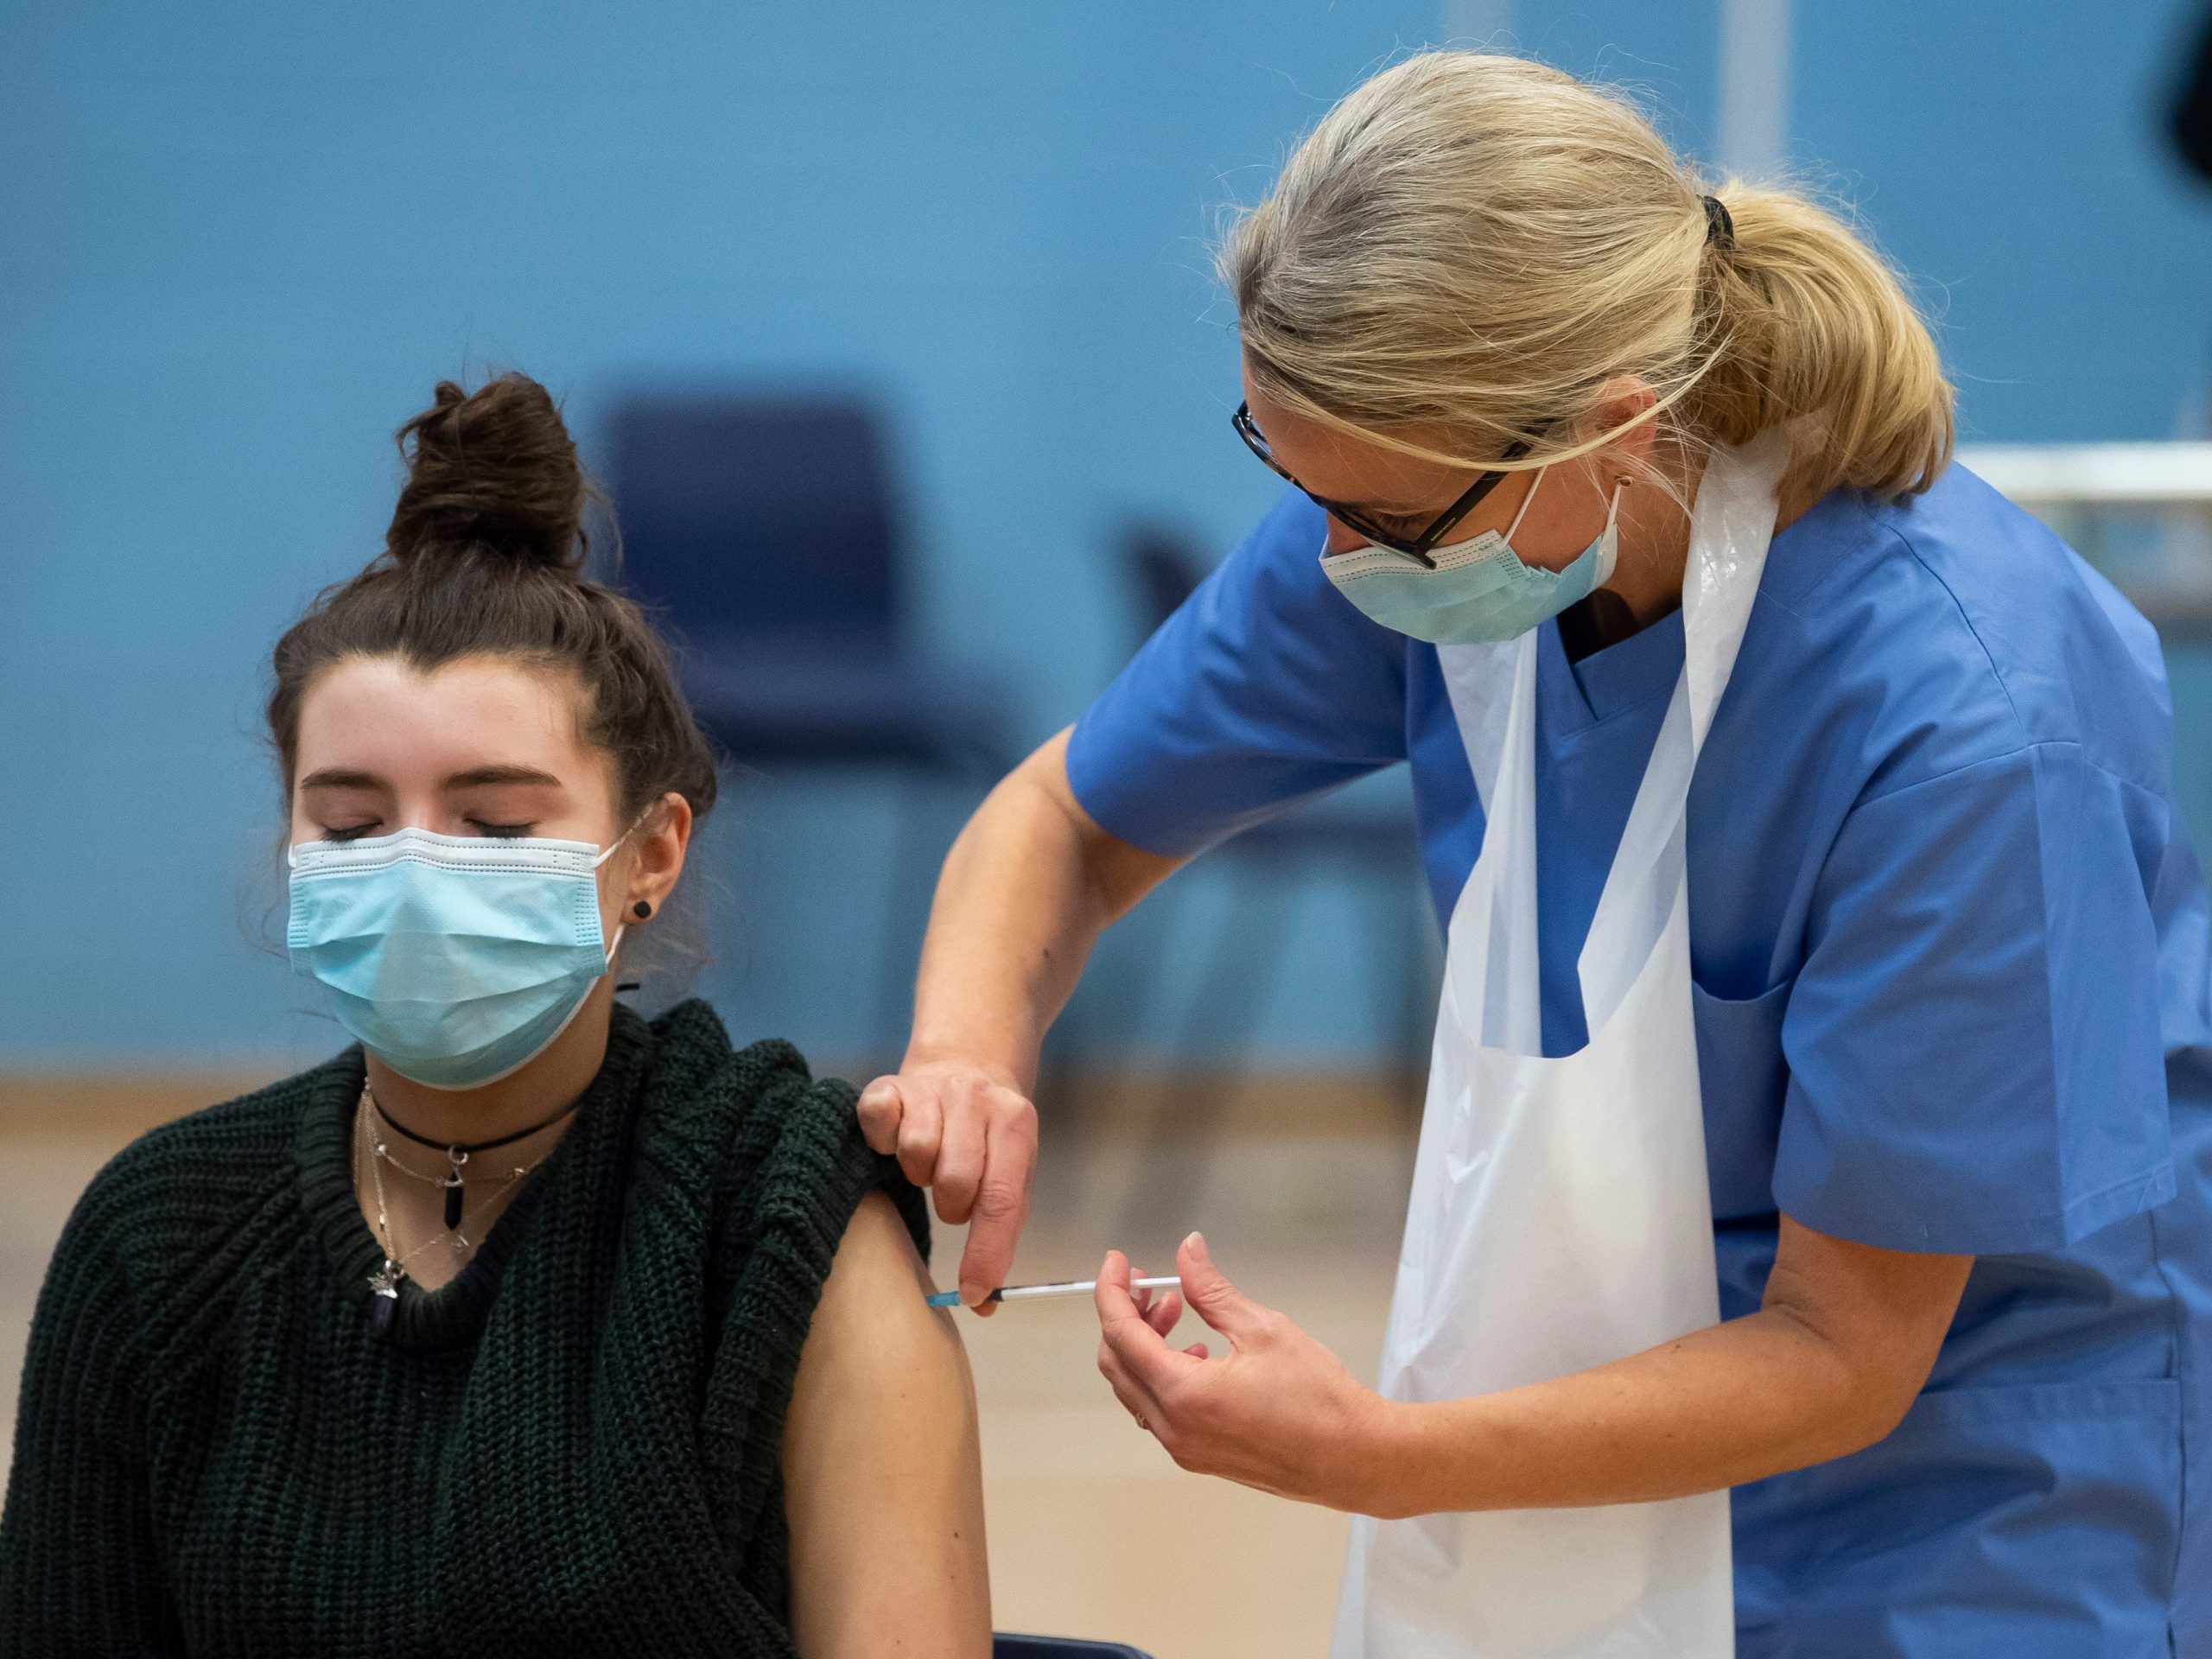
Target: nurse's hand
point(1276, 1410)
point(971, 1135)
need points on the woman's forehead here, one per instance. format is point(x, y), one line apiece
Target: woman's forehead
point(384, 716)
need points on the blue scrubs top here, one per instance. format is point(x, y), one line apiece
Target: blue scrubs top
point(1950, 949)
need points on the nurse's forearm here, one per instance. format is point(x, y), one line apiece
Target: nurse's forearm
point(1026, 890)
point(1730, 1404)
point(1827, 1366)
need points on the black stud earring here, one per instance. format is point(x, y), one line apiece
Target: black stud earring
point(641, 910)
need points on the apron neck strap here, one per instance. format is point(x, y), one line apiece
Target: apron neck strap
point(1731, 525)
point(1731, 522)
point(1493, 694)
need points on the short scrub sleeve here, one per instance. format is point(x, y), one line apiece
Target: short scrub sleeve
point(1973, 1042)
point(1266, 686)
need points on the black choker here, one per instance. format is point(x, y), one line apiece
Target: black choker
point(457, 1152)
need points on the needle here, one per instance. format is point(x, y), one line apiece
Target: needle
point(1073, 1287)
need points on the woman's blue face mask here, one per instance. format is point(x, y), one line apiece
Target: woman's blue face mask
point(454, 959)
point(1477, 590)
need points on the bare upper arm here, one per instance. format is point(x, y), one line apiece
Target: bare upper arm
point(1120, 872)
point(882, 1469)
point(1882, 1313)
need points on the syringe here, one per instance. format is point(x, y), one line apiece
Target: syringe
point(1072, 1287)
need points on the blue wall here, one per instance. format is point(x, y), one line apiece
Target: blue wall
point(242, 241)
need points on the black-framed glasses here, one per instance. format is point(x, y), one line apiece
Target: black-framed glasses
point(1418, 547)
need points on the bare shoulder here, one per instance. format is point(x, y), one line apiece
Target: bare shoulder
point(877, 1262)
point(882, 1464)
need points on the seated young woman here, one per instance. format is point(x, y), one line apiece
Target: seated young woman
point(525, 1327)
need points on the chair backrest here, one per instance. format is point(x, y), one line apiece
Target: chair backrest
point(1058, 1647)
point(1163, 567)
point(768, 520)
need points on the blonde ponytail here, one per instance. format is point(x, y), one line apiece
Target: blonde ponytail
point(1806, 324)
point(1467, 249)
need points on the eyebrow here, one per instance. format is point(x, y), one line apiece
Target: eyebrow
point(477, 777)
point(337, 777)
point(474, 778)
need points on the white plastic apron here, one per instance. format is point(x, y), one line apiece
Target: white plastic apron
point(1560, 1218)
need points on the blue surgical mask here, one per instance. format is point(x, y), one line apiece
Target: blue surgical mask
point(454, 959)
point(1478, 590)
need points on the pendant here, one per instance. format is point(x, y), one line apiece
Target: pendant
point(452, 1185)
point(385, 1281)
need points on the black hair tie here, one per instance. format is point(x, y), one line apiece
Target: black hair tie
point(1719, 228)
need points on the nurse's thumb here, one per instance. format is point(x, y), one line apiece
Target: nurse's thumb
point(880, 1108)
point(1210, 1296)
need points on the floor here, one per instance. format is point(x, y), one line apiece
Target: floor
point(1093, 1531)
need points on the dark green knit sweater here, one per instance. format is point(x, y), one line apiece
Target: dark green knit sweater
point(572, 1448)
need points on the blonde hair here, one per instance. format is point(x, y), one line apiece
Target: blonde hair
point(1477, 245)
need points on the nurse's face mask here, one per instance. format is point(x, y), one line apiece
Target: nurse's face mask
point(1470, 592)
point(454, 959)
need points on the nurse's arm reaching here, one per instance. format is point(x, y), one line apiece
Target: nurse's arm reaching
point(1842, 1344)
point(1028, 888)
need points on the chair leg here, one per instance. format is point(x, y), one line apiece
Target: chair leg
point(1068, 1050)
point(1179, 1154)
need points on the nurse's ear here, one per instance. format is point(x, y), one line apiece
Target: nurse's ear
point(1624, 408)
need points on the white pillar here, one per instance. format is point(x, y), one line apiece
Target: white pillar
point(1753, 136)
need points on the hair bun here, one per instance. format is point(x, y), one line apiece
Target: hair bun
point(493, 469)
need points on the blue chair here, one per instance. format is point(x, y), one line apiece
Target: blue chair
point(765, 532)
point(1266, 865)
point(1058, 1647)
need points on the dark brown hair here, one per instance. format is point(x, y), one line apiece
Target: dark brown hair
point(484, 557)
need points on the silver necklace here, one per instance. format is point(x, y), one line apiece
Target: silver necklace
point(385, 1281)
point(459, 1152)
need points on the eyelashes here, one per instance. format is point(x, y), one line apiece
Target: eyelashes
point(493, 831)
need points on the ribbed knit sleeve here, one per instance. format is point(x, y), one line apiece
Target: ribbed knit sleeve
point(788, 1190)
point(80, 1566)
point(570, 1450)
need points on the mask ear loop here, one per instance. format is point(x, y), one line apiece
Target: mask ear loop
point(1526, 502)
point(621, 928)
point(1612, 504)
point(615, 845)
point(1609, 538)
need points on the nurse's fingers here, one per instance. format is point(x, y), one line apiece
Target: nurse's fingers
point(1134, 1401)
point(1126, 1339)
point(879, 1109)
point(1134, 1396)
point(1162, 1314)
point(1002, 1201)
point(920, 1126)
point(959, 1157)
point(1213, 1299)
point(1160, 1308)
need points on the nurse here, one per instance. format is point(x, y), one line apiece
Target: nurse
point(1808, 1251)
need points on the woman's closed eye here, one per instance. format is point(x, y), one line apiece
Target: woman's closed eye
point(477, 826)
